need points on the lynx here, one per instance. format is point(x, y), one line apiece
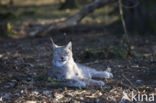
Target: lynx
point(73, 74)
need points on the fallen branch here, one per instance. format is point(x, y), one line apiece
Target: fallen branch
point(129, 81)
point(81, 100)
point(71, 20)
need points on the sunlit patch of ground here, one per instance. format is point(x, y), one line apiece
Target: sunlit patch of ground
point(47, 11)
point(30, 2)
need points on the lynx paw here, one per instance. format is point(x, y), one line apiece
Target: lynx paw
point(101, 83)
point(108, 75)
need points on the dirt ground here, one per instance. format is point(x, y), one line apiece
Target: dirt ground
point(23, 65)
point(96, 43)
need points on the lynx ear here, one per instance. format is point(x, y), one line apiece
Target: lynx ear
point(53, 44)
point(69, 45)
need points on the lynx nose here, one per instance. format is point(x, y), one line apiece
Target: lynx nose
point(62, 58)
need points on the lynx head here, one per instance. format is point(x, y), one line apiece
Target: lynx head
point(61, 54)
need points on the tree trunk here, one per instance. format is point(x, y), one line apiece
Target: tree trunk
point(3, 29)
point(11, 2)
point(138, 16)
point(71, 20)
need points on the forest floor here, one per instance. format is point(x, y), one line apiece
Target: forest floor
point(24, 62)
point(96, 43)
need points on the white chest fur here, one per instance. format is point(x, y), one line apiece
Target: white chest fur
point(73, 72)
point(70, 69)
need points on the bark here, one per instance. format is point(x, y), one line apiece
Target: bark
point(3, 29)
point(11, 2)
point(71, 20)
point(135, 16)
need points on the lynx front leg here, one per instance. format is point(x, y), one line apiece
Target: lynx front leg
point(74, 83)
point(92, 82)
point(102, 75)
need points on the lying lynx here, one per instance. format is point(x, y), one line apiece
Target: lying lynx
point(74, 74)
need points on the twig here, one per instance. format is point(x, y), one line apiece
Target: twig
point(123, 21)
point(84, 101)
point(77, 99)
point(122, 17)
point(128, 81)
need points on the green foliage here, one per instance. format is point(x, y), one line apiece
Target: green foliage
point(52, 80)
point(10, 75)
point(116, 51)
point(6, 29)
point(42, 77)
point(121, 53)
point(65, 88)
point(92, 54)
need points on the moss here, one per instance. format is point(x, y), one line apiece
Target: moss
point(6, 29)
point(92, 54)
point(106, 53)
point(121, 53)
point(52, 80)
point(121, 50)
point(42, 77)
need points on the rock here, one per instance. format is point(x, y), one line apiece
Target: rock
point(135, 66)
point(14, 80)
point(6, 96)
point(11, 84)
point(138, 81)
point(111, 98)
point(34, 74)
point(22, 91)
point(16, 94)
point(1, 99)
point(31, 101)
point(58, 96)
point(97, 100)
point(47, 92)
point(35, 92)
point(1, 55)
point(119, 66)
point(132, 77)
